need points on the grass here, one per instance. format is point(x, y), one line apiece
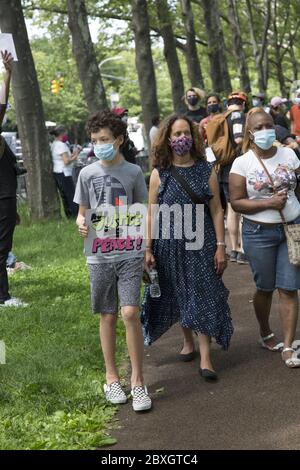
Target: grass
point(51, 386)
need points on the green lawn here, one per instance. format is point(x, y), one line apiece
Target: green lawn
point(51, 386)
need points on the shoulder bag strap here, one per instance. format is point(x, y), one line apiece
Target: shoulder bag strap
point(186, 187)
point(271, 181)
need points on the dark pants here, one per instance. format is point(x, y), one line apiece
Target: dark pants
point(223, 178)
point(8, 211)
point(66, 188)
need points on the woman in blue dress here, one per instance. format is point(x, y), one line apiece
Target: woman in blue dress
point(192, 291)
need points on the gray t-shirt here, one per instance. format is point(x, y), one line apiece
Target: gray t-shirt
point(99, 185)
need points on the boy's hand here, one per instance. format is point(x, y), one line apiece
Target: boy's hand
point(7, 60)
point(82, 228)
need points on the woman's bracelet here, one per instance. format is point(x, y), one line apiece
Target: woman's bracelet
point(221, 244)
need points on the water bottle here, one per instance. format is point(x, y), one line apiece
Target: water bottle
point(154, 286)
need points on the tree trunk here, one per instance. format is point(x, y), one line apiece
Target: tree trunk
point(279, 68)
point(144, 62)
point(294, 61)
point(170, 53)
point(260, 53)
point(238, 47)
point(83, 50)
point(283, 24)
point(216, 47)
point(191, 53)
point(42, 194)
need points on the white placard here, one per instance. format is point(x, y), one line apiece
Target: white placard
point(210, 156)
point(116, 232)
point(7, 44)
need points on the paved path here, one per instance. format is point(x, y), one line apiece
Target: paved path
point(254, 405)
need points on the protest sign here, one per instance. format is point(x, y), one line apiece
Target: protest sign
point(116, 233)
point(7, 44)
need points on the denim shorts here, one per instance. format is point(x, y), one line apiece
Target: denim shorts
point(266, 250)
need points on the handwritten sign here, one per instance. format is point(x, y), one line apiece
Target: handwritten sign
point(116, 232)
point(7, 44)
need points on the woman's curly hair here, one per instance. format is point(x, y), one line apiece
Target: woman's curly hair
point(106, 119)
point(161, 152)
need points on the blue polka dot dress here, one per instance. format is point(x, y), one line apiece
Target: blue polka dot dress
point(191, 291)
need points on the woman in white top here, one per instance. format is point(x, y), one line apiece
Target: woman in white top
point(62, 169)
point(260, 201)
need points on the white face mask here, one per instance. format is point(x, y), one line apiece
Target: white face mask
point(297, 100)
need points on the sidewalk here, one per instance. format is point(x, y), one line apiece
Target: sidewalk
point(254, 405)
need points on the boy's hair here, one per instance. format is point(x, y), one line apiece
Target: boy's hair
point(106, 119)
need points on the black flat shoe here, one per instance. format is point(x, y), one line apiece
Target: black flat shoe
point(208, 375)
point(187, 357)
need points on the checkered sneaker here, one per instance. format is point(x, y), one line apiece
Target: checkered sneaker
point(114, 393)
point(140, 399)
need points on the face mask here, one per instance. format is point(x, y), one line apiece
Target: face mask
point(264, 139)
point(125, 119)
point(192, 100)
point(213, 108)
point(65, 138)
point(181, 145)
point(105, 151)
point(256, 103)
point(297, 100)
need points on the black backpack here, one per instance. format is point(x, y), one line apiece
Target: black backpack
point(129, 150)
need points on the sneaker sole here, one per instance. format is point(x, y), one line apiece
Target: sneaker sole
point(142, 407)
point(118, 402)
point(13, 306)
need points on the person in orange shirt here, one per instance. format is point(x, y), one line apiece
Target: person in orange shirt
point(295, 117)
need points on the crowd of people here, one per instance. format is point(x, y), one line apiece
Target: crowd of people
point(234, 186)
point(239, 160)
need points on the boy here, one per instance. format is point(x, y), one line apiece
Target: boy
point(104, 182)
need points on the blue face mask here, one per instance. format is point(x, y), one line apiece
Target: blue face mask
point(264, 139)
point(105, 151)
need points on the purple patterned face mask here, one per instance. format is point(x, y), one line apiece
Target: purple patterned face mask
point(181, 145)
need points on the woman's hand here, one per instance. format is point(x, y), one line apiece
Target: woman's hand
point(82, 228)
point(278, 200)
point(220, 260)
point(149, 259)
point(76, 152)
point(7, 60)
